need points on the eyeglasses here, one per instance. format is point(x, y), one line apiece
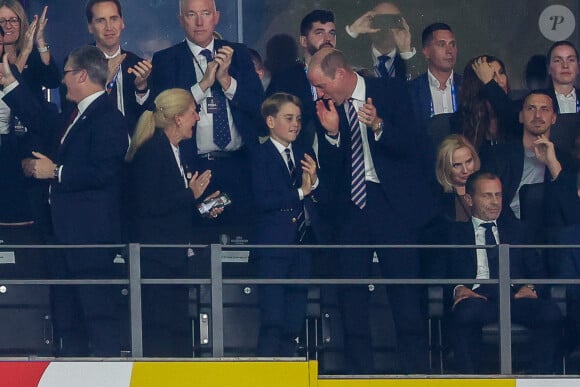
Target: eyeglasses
point(65, 72)
point(14, 22)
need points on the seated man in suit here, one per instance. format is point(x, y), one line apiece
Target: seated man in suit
point(85, 176)
point(532, 160)
point(477, 305)
point(569, 267)
point(284, 180)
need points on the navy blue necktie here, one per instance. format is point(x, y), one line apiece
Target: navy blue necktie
point(221, 126)
point(382, 66)
point(492, 253)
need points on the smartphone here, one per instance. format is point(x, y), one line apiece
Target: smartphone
point(384, 22)
point(207, 205)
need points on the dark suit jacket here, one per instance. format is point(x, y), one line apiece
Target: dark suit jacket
point(507, 161)
point(277, 201)
point(174, 67)
point(553, 92)
point(569, 259)
point(462, 263)
point(395, 157)
point(421, 96)
point(85, 204)
point(162, 206)
point(562, 202)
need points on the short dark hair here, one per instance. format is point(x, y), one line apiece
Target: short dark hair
point(318, 15)
point(547, 93)
point(256, 58)
point(558, 44)
point(477, 176)
point(428, 32)
point(91, 4)
point(91, 59)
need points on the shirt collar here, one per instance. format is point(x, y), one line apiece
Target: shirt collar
point(359, 91)
point(116, 54)
point(477, 222)
point(435, 82)
point(377, 53)
point(85, 102)
point(281, 147)
point(196, 50)
point(570, 96)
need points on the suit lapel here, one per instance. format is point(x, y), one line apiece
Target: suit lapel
point(80, 122)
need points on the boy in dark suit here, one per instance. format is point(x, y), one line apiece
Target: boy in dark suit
point(283, 181)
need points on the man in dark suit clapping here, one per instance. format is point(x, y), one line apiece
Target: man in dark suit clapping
point(84, 195)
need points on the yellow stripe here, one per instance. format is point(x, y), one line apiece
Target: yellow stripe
point(218, 374)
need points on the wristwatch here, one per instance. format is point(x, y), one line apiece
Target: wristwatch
point(55, 172)
point(379, 127)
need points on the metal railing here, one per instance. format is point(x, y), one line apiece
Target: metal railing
point(217, 283)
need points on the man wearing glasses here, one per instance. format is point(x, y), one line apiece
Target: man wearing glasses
point(85, 176)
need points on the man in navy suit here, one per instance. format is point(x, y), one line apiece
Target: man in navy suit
point(85, 174)
point(284, 182)
point(477, 305)
point(225, 86)
point(367, 146)
point(436, 91)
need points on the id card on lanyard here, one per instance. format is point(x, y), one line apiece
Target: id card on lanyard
point(453, 100)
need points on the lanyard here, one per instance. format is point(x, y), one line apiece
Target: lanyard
point(453, 100)
point(111, 84)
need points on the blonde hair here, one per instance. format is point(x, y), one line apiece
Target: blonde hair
point(16, 7)
point(168, 104)
point(444, 163)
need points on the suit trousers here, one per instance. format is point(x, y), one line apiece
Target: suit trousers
point(375, 225)
point(541, 316)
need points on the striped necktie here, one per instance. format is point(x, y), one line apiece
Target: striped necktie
point(358, 191)
point(300, 219)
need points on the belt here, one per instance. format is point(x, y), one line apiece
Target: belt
point(218, 155)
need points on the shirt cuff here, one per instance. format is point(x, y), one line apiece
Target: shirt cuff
point(141, 98)
point(231, 91)
point(333, 141)
point(198, 94)
point(408, 55)
point(353, 35)
point(315, 185)
point(378, 135)
point(300, 194)
point(11, 87)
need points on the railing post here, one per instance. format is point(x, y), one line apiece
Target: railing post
point(135, 299)
point(217, 305)
point(505, 330)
